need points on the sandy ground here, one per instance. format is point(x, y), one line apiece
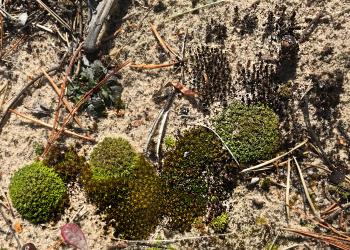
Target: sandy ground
point(251, 228)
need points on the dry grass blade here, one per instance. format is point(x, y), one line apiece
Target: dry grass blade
point(274, 159)
point(152, 66)
point(53, 14)
point(67, 132)
point(305, 189)
point(1, 33)
point(341, 243)
point(287, 191)
point(64, 100)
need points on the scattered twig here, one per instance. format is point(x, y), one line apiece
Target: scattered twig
point(305, 189)
point(274, 159)
point(64, 100)
point(162, 43)
point(195, 9)
point(152, 66)
point(67, 132)
point(54, 15)
point(311, 27)
point(8, 222)
point(21, 94)
point(326, 239)
point(161, 132)
point(287, 190)
point(83, 99)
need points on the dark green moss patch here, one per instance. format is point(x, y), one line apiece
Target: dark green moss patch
point(198, 173)
point(125, 187)
point(37, 192)
point(251, 132)
point(66, 162)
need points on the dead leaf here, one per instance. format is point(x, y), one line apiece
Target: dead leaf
point(18, 227)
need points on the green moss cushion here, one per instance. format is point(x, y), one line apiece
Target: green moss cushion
point(251, 132)
point(37, 192)
point(125, 187)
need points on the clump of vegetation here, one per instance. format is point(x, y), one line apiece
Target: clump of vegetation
point(220, 223)
point(251, 132)
point(125, 187)
point(108, 96)
point(38, 148)
point(66, 162)
point(198, 173)
point(211, 75)
point(169, 142)
point(37, 192)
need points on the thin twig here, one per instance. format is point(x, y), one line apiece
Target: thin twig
point(21, 94)
point(54, 15)
point(64, 100)
point(195, 9)
point(305, 189)
point(274, 159)
point(162, 43)
point(152, 66)
point(67, 132)
point(287, 191)
point(161, 132)
point(8, 222)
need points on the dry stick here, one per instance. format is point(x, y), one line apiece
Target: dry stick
point(195, 9)
point(51, 126)
point(64, 100)
point(86, 96)
point(287, 191)
point(274, 159)
point(152, 66)
point(63, 87)
point(311, 27)
point(327, 239)
point(57, 17)
point(21, 94)
point(162, 43)
point(305, 189)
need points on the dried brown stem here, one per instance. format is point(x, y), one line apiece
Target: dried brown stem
point(152, 66)
point(67, 132)
point(64, 100)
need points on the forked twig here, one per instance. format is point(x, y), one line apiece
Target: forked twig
point(274, 159)
point(64, 100)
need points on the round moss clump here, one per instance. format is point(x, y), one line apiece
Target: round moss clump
point(251, 132)
point(125, 187)
point(37, 192)
point(199, 172)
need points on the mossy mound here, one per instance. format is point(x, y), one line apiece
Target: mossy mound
point(37, 192)
point(66, 162)
point(251, 132)
point(199, 172)
point(125, 187)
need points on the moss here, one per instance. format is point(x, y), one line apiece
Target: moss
point(125, 187)
point(197, 169)
point(66, 162)
point(38, 148)
point(251, 132)
point(169, 142)
point(265, 184)
point(220, 223)
point(37, 192)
